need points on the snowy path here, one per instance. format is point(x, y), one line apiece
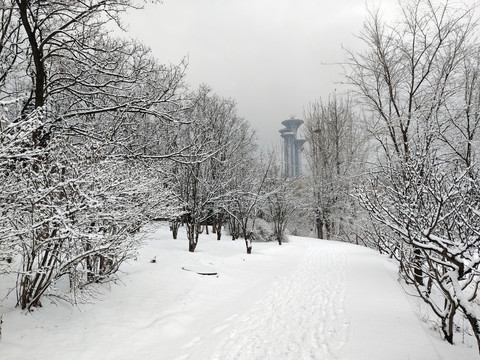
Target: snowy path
point(301, 317)
point(307, 300)
point(383, 322)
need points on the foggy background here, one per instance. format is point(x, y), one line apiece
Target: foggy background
point(272, 56)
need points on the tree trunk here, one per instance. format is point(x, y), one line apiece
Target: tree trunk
point(328, 230)
point(447, 323)
point(174, 226)
point(248, 241)
point(192, 246)
point(37, 54)
point(319, 225)
point(218, 221)
point(474, 323)
point(234, 229)
point(214, 225)
point(417, 263)
point(192, 237)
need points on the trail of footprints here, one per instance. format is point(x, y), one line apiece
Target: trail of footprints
point(302, 317)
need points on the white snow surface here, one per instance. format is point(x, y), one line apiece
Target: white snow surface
point(306, 299)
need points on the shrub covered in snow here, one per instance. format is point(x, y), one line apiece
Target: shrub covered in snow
point(263, 231)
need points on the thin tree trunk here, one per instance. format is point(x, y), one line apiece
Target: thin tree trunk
point(474, 323)
point(319, 225)
point(417, 271)
point(214, 225)
point(174, 226)
point(248, 243)
point(192, 237)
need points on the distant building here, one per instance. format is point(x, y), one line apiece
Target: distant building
point(292, 147)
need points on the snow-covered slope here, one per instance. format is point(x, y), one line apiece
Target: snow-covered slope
point(307, 299)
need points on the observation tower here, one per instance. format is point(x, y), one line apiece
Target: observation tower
point(292, 147)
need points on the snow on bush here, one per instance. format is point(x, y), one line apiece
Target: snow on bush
point(263, 231)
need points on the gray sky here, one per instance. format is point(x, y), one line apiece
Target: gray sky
point(272, 56)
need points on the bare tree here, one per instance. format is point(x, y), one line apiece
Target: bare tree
point(214, 137)
point(77, 108)
point(335, 151)
point(280, 199)
point(423, 193)
point(248, 195)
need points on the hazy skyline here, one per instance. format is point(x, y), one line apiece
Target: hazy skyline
point(273, 57)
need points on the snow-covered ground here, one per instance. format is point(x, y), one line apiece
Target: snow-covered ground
point(307, 299)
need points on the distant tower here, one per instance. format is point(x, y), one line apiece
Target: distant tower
point(292, 147)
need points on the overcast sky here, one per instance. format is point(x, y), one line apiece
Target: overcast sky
point(272, 56)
